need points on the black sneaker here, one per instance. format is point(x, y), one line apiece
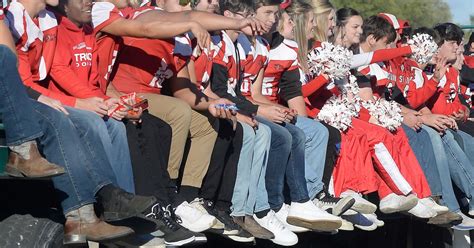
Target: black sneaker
point(117, 204)
point(230, 227)
point(334, 205)
point(173, 233)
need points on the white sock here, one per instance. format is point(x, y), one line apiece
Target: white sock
point(24, 149)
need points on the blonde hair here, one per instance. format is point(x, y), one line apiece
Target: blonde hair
point(322, 9)
point(298, 13)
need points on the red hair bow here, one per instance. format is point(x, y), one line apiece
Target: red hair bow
point(285, 4)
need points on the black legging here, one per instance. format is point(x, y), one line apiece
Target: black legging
point(218, 185)
point(332, 153)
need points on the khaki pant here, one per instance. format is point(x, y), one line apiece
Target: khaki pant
point(185, 122)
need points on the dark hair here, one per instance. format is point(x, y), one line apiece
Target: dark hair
point(430, 31)
point(448, 32)
point(379, 27)
point(236, 6)
point(261, 3)
point(343, 15)
point(60, 8)
point(406, 34)
point(467, 47)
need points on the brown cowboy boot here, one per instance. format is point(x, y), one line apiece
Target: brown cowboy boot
point(82, 225)
point(34, 167)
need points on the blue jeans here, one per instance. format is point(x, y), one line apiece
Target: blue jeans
point(18, 115)
point(285, 161)
point(251, 169)
point(467, 144)
point(420, 143)
point(113, 137)
point(86, 174)
point(315, 153)
point(452, 161)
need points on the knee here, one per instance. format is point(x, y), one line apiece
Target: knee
point(8, 57)
point(248, 134)
point(298, 136)
point(52, 120)
point(281, 137)
point(321, 131)
point(180, 111)
point(115, 127)
point(90, 119)
point(264, 133)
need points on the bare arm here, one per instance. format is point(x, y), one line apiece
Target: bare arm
point(297, 103)
point(209, 21)
point(156, 29)
point(184, 89)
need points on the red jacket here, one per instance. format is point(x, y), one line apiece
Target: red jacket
point(74, 69)
point(446, 100)
point(35, 41)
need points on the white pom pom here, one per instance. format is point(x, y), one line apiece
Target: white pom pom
point(425, 48)
point(387, 113)
point(331, 60)
point(339, 110)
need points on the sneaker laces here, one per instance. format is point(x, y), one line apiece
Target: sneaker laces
point(170, 219)
point(165, 215)
point(328, 199)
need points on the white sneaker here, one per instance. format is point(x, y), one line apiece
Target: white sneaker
point(471, 212)
point(396, 203)
point(466, 224)
point(422, 211)
point(360, 221)
point(346, 226)
point(193, 219)
point(309, 216)
point(374, 219)
point(430, 203)
point(282, 215)
point(198, 204)
point(283, 236)
point(361, 205)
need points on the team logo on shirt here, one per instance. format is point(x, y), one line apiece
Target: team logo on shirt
point(79, 46)
point(161, 75)
point(452, 93)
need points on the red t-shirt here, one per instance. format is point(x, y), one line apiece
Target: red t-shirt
point(145, 64)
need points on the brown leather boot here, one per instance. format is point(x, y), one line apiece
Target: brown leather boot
point(35, 167)
point(80, 231)
point(446, 220)
point(249, 224)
